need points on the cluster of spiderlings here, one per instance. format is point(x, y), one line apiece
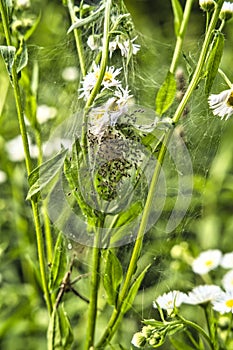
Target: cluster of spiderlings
point(114, 159)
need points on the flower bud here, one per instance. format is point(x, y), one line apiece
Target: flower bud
point(206, 5)
point(226, 11)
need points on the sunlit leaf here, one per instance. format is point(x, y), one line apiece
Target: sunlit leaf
point(166, 94)
point(112, 276)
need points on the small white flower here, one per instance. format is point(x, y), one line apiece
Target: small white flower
point(227, 280)
point(203, 294)
point(206, 261)
point(227, 11)
point(206, 5)
point(227, 261)
point(44, 113)
point(125, 46)
point(70, 73)
point(224, 302)
point(109, 80)
point(168, 301)
point(222, 104)
point(3, 177)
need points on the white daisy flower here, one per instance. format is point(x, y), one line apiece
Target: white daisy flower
point(202, 294)
point(224, 302)
point(44, 113)
point(222, 104)
point(3, 177)
point(206, 261)
point(168, 301)
point(109, 80)
point(227, 261)
point(206, 5)
point(226, 12)
point(227, 280)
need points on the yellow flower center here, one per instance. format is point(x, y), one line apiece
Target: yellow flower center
point(230, 99)
point(209, 263)
point(229, 303)
point(108, 76)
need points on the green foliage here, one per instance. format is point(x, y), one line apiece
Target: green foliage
point(112, 276)
point(59, 264)
point(166, 94)
point(60, 335)
point(43, 177)
point(214, 60)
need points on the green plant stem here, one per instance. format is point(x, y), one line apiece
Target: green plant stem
point(200, 64)
point(28, 161)
point(77, 36)
point(180, 37)
point(223, 75)
point(198, 329)
point(95, 280)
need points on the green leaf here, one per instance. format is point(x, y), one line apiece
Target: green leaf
point(112, 277)
point(60, 335)
point(8, 55)
point(87, 20)
point(59, 264)
point(21, 56)
point(178, 15)
point(133, 291)
point(166, 94)
point(42, 177)
point(214, 60)
point(31, 30)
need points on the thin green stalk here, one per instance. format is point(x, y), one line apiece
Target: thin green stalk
point(95, 280)
point(77, 36)
point(28, 161)
point(198, 329)
point(180, 37)
point(104, 58)
point(198, 71)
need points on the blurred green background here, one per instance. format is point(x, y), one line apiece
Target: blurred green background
point(209, 221)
